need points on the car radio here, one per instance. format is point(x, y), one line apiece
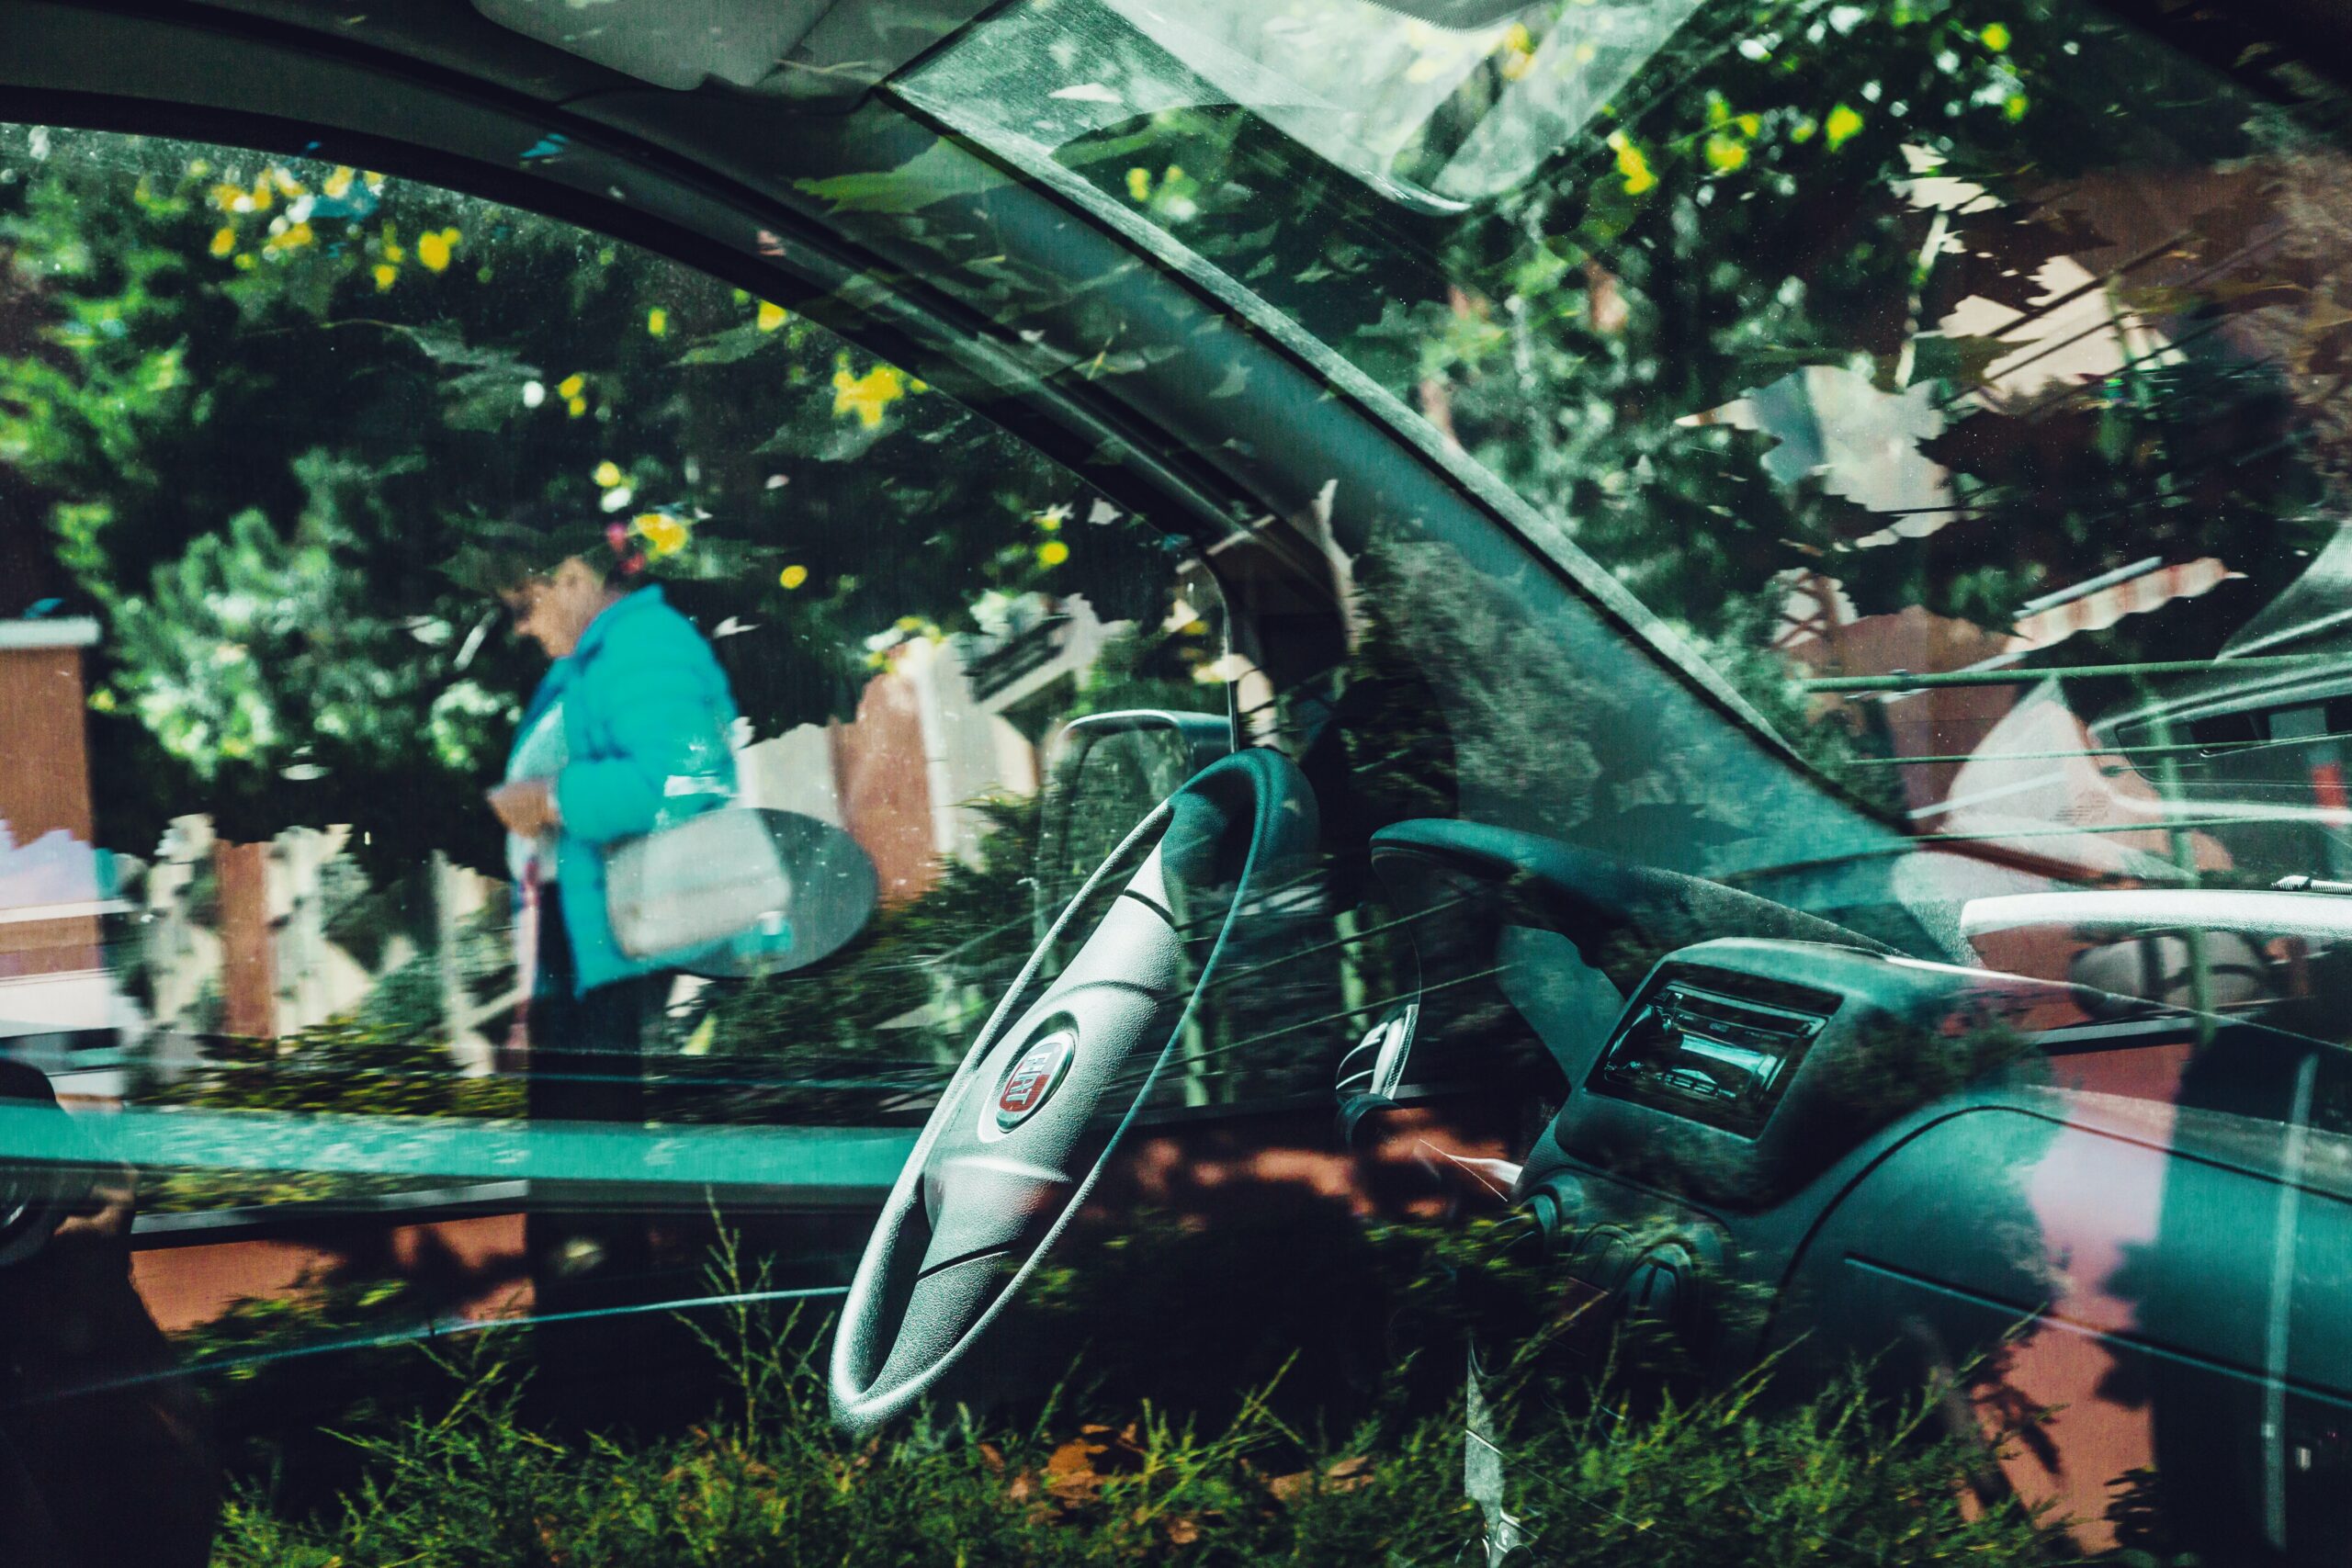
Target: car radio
point(1713, 1046)
point(1744, 1067)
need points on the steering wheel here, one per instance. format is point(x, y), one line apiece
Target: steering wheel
point(1032, 1117)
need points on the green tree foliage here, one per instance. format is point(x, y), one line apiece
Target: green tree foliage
point(1802, 187)
point(265, 403)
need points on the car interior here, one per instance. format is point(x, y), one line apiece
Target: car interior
point(1543, 723)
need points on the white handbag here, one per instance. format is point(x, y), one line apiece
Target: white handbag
point(709, 879)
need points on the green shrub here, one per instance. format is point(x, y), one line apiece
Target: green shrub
point(1717, 1478)
point(339, 1066)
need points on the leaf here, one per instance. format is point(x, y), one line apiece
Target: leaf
point(2229, 297)
point(729, 346)
point(938, 172)
point(2012, 448)
point(2003, 253)
point(1069, 1473)
point(1959, 362)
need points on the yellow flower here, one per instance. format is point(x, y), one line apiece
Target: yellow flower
point(577, 406)
point(1518, 51)
point(338, 185)
point(1139, 184)
point(232, 199)
point(391, 247)
point(663, 534)
point(1725, 154)
point(261, 195)
point(1632, 163)
point(793, 576)
point(1047, 524)
point(2014, 106)
point(657, 320)
point(385, 275)
point(572, 386)
point(1996, 36)
point(433, 252)
point(294, 239)
point(1803, 131)
point(223, 240)
point(287, 184)
point(1842, 123)
point(1053, 552)
point(771, 316)
point(608, 474)
point(245, 262)
point(866, 395)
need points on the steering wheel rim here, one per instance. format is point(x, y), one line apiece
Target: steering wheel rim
point(1050, 1085)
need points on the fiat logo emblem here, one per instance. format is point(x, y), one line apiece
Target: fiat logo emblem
point(1034, 1077)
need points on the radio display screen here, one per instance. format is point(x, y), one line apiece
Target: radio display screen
point(1714, 1047)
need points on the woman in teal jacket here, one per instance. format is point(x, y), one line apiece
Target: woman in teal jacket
point(646, 713)
point(628, 732)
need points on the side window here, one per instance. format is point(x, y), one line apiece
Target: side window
point(289, 452)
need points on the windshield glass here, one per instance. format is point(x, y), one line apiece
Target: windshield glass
point(1429, 114)
point(1961, 381)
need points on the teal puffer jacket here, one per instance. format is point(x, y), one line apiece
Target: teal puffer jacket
point(647, 717)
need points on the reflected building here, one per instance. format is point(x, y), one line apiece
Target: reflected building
point(59, 1000)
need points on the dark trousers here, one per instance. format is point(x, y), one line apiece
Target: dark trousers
point(588, 1051)
point(587, 1065)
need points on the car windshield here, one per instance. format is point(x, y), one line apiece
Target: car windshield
point(1961, 383)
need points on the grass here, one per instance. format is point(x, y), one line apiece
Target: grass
point(1728, 1476)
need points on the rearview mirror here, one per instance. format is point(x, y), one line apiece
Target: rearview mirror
point(1103, 774)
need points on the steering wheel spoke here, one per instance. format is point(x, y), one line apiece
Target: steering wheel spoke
point(982, 1201)
point(938, 1308)
point(1135, 946)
